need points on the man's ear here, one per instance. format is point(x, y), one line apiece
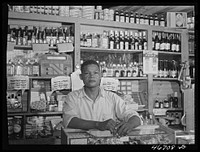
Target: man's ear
point(81, 76)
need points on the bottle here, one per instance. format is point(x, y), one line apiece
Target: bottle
point(25, 35)
point(151, 20)
point(121, 40)
point(127, 17)
point(37, 35)
point(153, 40)
point(174, 69)
point(136, 41)
point(111, 39)
point(116, 15)
point(173, 43)
point(144, 40)
point(132, 41)
point(161, 104)
point(89, 39)
point(10, 127)
point(19, 36)
point(25, 68)
point(162, 42)
point(94, 40)
point(165, 67)
point(141, 19)
point(171, 100)
point(60, 35)
point(177, 119)
point(33, 39)
point(36, 68)
point(19, 68)
point(122, 18)
point(166, 103)
point(117, 71)
point(9, 34)
point(162, 21)
point(105, 40)
point(29, 35)
point(178, 43)
point(140, 70)
point(137, 18)
point(146, 19)
point(140, 43)
point(157, 42)
point(135, 69)
point(71, 34)
point(160, 68)
point(10, 68)
point(132, 18)
point(116, 44)
point(126, 40)
point(167, 45)
point(156, 103)
point(48, 35)
point(18, 127)
point(156, 20)
point(175, 100)
point(129, 73)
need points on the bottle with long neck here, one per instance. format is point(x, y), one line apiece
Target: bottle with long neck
point(136, 41)
point(19, 68)
point(144, 40)
point(117, 40)
point(121, 40)
point(157, 42)
point(162, 42)
point(10, 68)
point(167, 44)
point(126, 40)
point(111, 39)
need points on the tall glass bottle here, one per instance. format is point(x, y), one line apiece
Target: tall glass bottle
point(174, 69)
point(157, 41)
point(10, 68)
point(116, 46)
point(36, 68)
point(111, 39)
point(137, 18)
point(141, 19)
point(132, 17)
point(116, 15)
point(162, 20)
point(122, 16)
point(121, 40)
point(127, 18)
point(156, 20)
point(140, 44)
point(151, 19)
point(105, 40)
point(126, 40)
point(136, 41)
point(162, 42)
point(175, 100)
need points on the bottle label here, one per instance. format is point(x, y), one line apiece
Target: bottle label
point(94, 42)
point(126, 45)
point(157, 46)
point(121, 45)
point(117, 18)
point(162, 46)
point(168, 46)
point(162, 23)
point(121, 18)
point(177, 48)
point(141, 21)
point(131, 20)
point(145, 45)
point(156, 23)
point(173, 47)
point(127, 19)
point(111, 44)
point(140, 47)
point(136, 46)
point(137, 21)
point(151, 22)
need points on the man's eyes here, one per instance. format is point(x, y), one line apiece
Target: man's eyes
point(86, 73)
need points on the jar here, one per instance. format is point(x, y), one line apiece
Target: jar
point(18, 127)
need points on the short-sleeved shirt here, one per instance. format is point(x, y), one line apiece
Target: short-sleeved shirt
point(108, 105)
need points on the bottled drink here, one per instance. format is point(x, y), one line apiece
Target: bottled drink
point(173, 43)
point(10, 68)
point(9, 34)
point(161, 104)
point(33, 39)
point(162, 21)
point(126, 40)
point(132, 18)
point(71, 34)
point(132, 41)
point(156, 20)
point(19, 68)
point(135, 70)
point(89, 39)
point(178, 43)
point(140, 70)
point(136, 41)
point(153, 40)
point(167, 48)
point(19, 36)
point(141, 19)
point(177, 119)
point(140, 44)
point(165, 66)
point(116, 45)
point(60, 35)
point(105, 40)
point(137, 18)
point(157, 42)
point(24, 36)
point(144, 40)
point(171, 100)
point(156, 103)
point(10, 127)
point(122, 18)
point(116, 15)
point(40, 31)
point(111, 39)
point(166, 103)
point(174, 69)
point(160, 68)
point(175, 100)
point(117, 70)
point(121, 40)
point(146, 19)
point(151, 20)
point(95, 40)
point(127, 17)
point(162, 42)
point(36, 68)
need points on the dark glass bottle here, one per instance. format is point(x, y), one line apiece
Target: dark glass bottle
point(156, 103)
point(162, 20)
point(137, 18)
point(156, 20)
point(126, 40)
point(121, 40)
point(151, 20)
point(175, 100)
point(132, 17)
point(111, 39)
point(116, 15)
point(162, 42)
point(146, 19)
point(157, 42)
point(127, 18)
point(153, 40)
point(144, 40)
point(122, 16)
point(116, 44)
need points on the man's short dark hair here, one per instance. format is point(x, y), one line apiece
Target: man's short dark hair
point(88, 62)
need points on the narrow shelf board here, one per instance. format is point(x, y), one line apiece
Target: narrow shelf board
point(27, 47)
point(166, 79)
point(172, 53)
point(35, 113)
point(129, 78)
point(88, 49)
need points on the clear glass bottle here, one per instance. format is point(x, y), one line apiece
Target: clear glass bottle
point(111, 39)
point(121, 40)
point(105, 40)
point(132, 17)
point(116, 44)
point(36, 68)
point(19, 68)
point(10, 68)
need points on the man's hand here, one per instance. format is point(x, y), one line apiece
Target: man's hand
point(106, 125)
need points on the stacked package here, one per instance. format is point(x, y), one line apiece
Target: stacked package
point(88, 12)
point(75, 11)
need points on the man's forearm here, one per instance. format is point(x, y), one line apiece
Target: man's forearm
point(78, 123)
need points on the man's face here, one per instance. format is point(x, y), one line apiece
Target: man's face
point(91, 75)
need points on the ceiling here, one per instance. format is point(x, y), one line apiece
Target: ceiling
point(155, 9)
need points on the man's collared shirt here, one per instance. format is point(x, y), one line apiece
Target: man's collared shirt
point(107, 105)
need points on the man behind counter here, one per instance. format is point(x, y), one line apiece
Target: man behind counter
point(92, 107)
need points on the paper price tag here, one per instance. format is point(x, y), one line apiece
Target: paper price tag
point(110, 83)
point(60, 83)
point(18, 83)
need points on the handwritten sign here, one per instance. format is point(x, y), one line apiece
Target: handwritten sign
point(60, 83)
point(109, 83)
point(150, 62)
point(18, 83)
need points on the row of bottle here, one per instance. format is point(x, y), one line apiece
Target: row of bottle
point(27, 35)
point(98, 13)
point(30, 68)
point(167, 69)
point(162, 41)
point(146, 118)
point(191, 44)
point(170, 102)
point(122, 70)
point(190, 22)
point(176, 117)
point(123, 40)
point(15, 127)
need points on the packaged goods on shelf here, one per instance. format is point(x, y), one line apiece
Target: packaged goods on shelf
point(177, 19)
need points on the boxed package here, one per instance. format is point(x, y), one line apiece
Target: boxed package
point(177, 19)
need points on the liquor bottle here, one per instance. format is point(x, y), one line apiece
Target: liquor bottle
point(174, 69)
point(175, 100)
point(89, 39)
point(33, 38)
point(177, 119)
point(165, 67)
point(37, 35)
point(166, 103)
point(116, 15)
point(156, 20)
point(71, 34)
point(140, 70)
point(95, 40)
point(10, 68)
point(19, 36)
point(126, 40)
point(105, 40)
point(144, 40)
point(151, 19)
point(141, 19)
point(178, 43)
point(135, 69)
point(48, 35)
point(13, 35)
point(140, 44)
point(129, 70)
point(146, 19)
point(122, 18)
point(40, 39)
point(104, 69)
point(25, 68)
point(167, 44)
point(156, 103)
point(121, 40)
point(132, 18)
point(157, 42)
point(136, 41)
point(36, 68)
point(19, 68)
point(132, 41)
point(173, 43)
point(60, 36)
point(153, 40)
point(127, 19)
point(81, 40)
point(161, 104)
point(162, 20)
point(162, 42)
point(171, 100)
point(111, 39)
point(160, 68)
point(137, 18)
point(116, 44)
point(117, 71)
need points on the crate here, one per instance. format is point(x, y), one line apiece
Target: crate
point(56, 65)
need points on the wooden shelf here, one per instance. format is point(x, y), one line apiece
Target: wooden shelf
point(165, 79)
point(129, 78)
point(35, 113)
point(87, 49)
point(171, 53)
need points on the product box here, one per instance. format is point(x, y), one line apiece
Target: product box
point(177, 19)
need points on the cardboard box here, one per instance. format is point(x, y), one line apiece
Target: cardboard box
point(177, 19)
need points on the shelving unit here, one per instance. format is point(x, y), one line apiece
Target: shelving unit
point(48, 20)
